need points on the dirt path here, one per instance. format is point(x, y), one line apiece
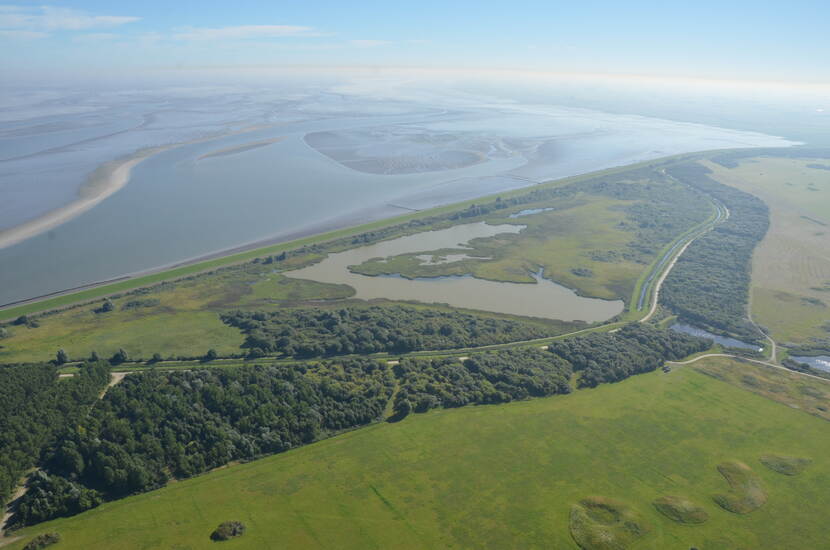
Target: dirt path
point(656, 299)
point(115, 378)
point(773, 349)
point(9, 512)
point(765, 363)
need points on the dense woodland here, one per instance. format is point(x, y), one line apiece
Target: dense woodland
point(483, 378)
point(35, 408)
point(158, 425)
point(603, 357)
point(709, 285)
point(506, 375)
point(304, 333)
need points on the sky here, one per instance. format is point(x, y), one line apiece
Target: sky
point(727, 39)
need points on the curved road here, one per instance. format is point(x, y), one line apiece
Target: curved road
point(765, 363)
point(722, 214)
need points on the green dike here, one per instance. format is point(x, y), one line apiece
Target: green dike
point(86, 295)
point(503, 476)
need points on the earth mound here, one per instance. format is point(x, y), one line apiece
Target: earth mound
point(599, 523)
point(680, 509)
point(787, 465)
point(746, 492)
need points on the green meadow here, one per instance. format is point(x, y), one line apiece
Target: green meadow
point(509, 476)
point(791, 266)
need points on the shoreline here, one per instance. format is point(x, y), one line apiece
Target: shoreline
point(104, 181)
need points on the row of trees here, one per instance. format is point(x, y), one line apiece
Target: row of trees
point(709, 285)
point(320, 332)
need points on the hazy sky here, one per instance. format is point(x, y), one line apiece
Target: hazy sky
point(725, 39)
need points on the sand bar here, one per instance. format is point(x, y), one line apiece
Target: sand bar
point(240, 148)
point(103, 182)
point(107, 179)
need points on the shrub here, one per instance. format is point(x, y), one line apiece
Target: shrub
point(228, 530)
point(42, 541)
point(119, 357)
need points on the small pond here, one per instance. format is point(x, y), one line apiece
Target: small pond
point(820, 362)
point(722, 340)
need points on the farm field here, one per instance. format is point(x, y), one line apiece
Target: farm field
point(791, 266)
point(511, 476)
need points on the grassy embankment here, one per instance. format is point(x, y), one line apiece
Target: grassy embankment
point(507, 476)
point(791, 266)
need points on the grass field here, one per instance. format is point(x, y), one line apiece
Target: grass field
point(184, 321)
point(791, 266)
point(507, 476)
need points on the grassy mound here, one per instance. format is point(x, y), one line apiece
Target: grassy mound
point(599, 523)
point(746, 494)
point(787, 465)
point(680, 509)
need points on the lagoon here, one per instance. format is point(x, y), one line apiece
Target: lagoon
point(544, 298)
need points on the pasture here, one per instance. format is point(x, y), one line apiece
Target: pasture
point(511, 476)
point(791, 266)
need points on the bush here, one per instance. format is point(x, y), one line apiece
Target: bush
point(228, 530)
point(106, 307)
point(119, 357)
point(42, 541)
